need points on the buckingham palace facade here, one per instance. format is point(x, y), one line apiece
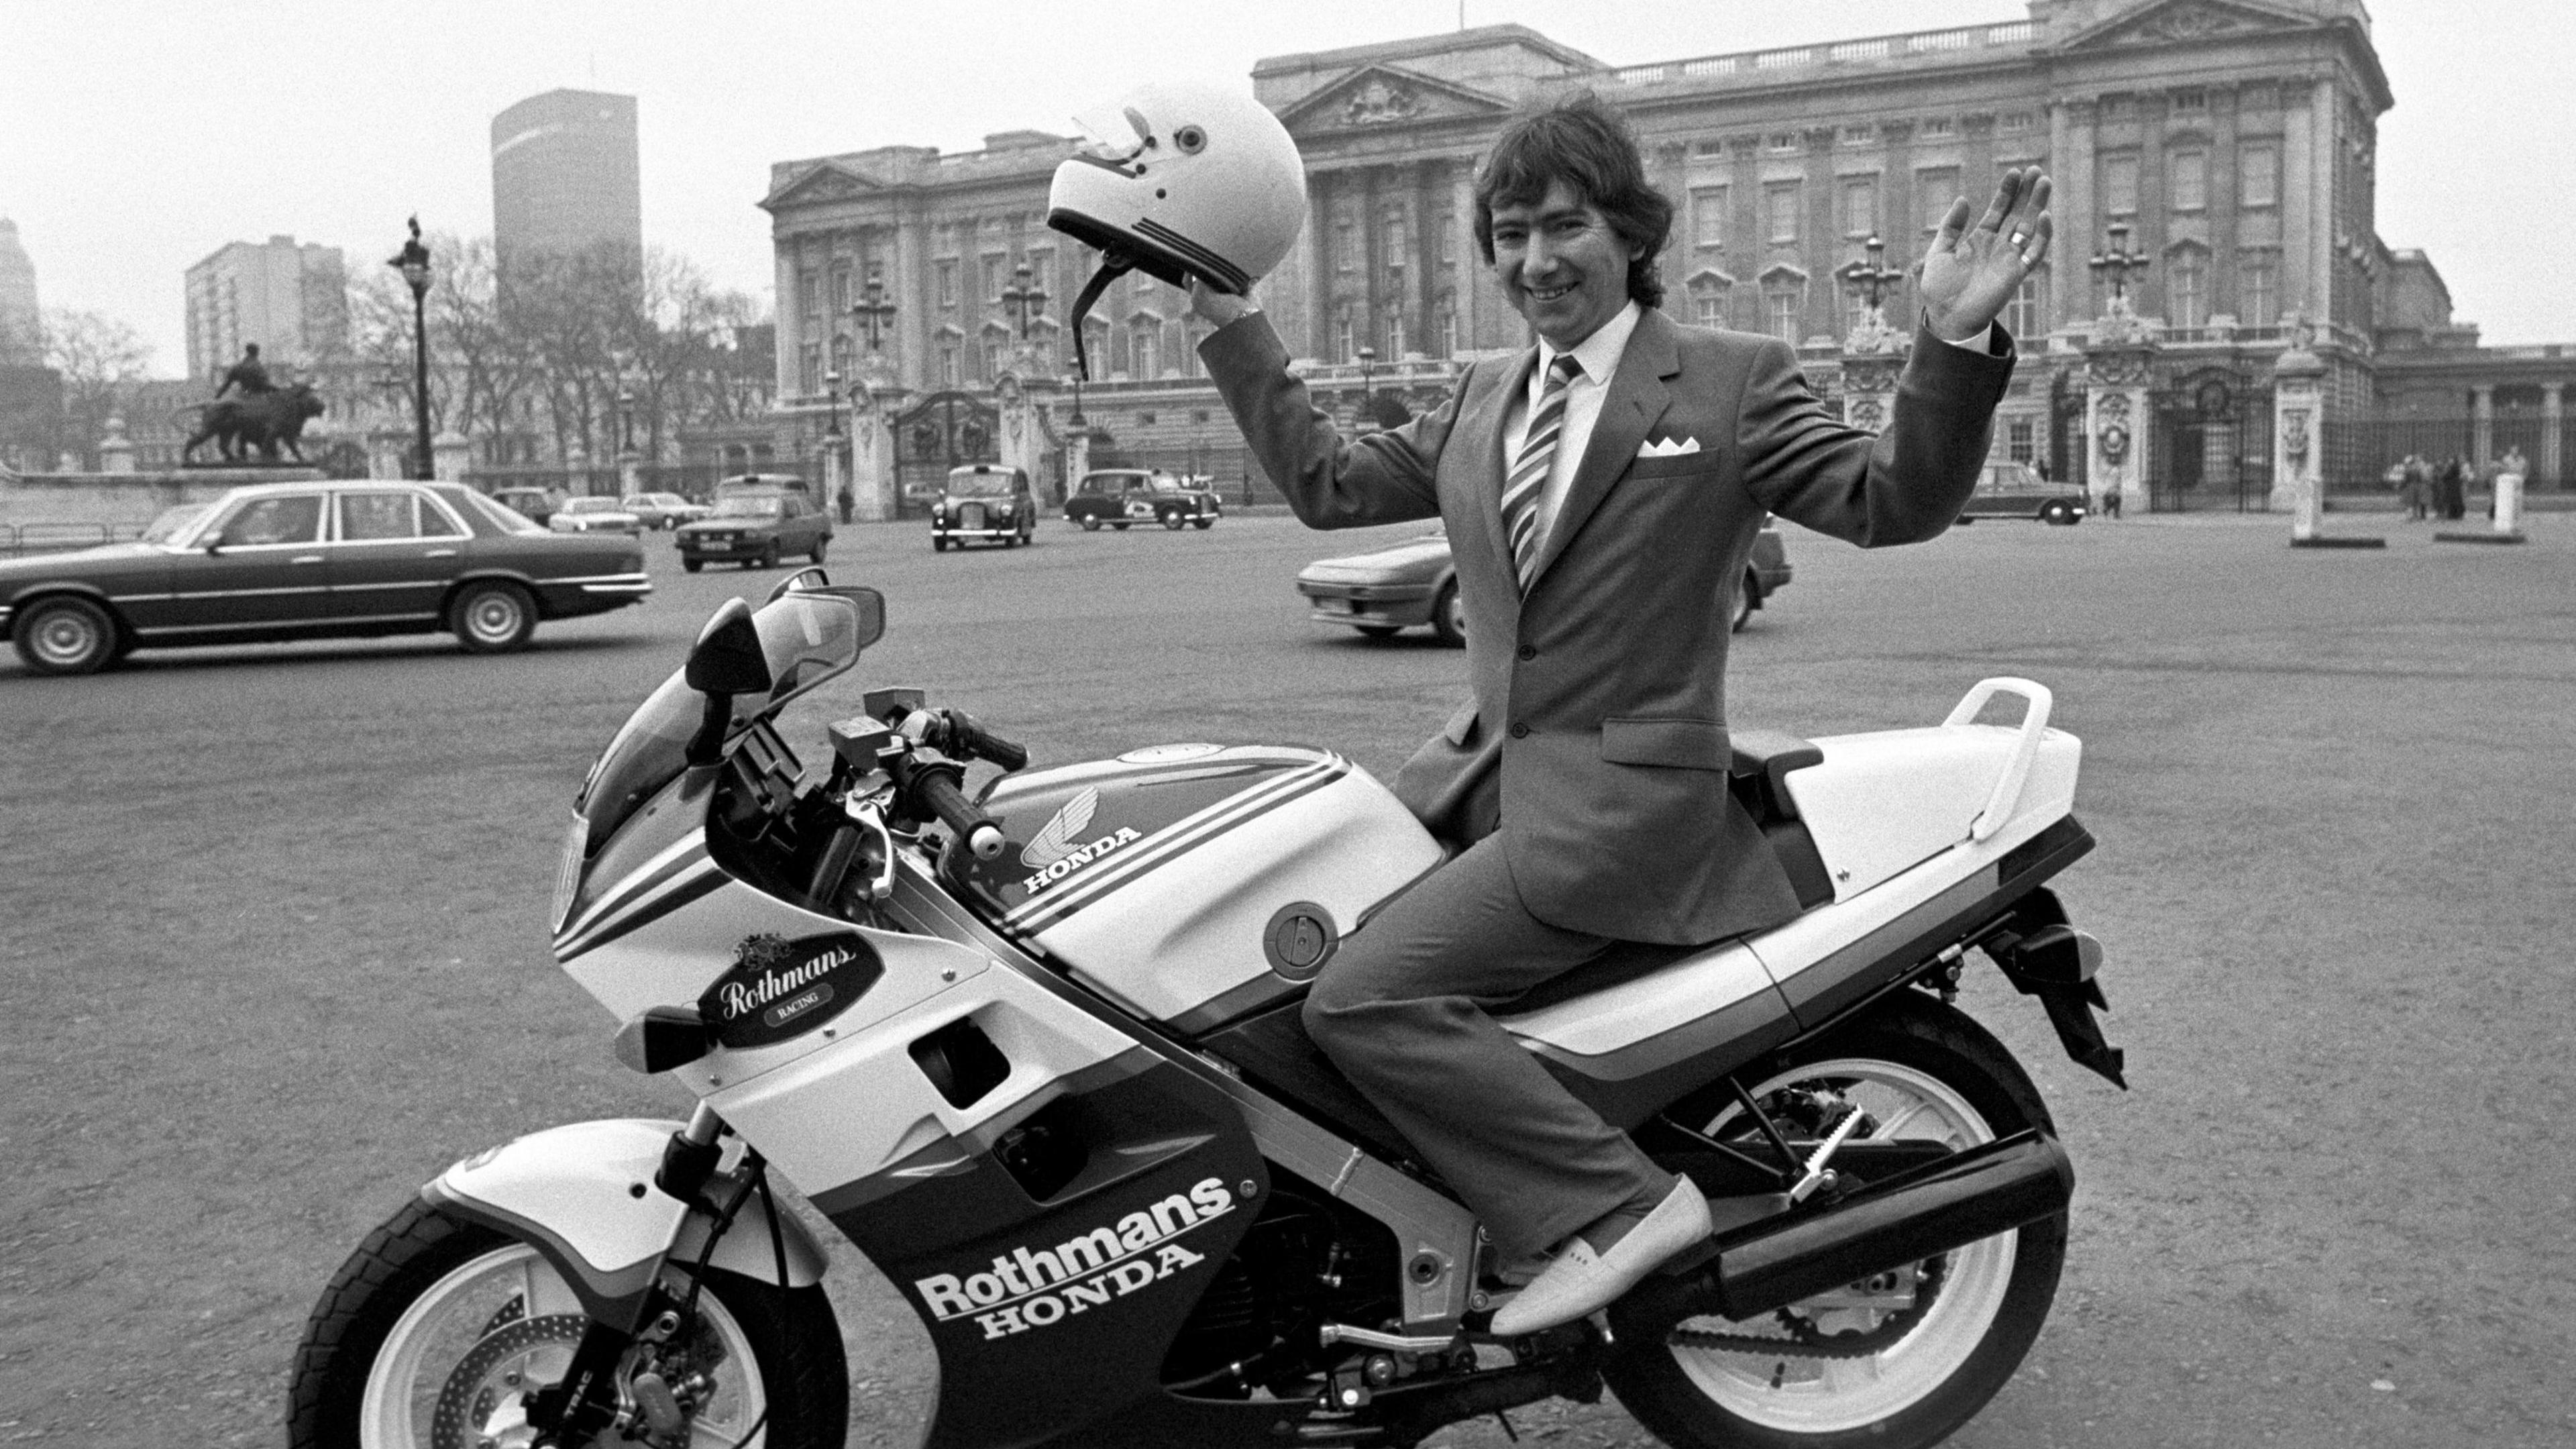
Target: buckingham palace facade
point(2230, 144)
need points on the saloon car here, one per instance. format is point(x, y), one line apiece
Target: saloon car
point(755, 527)
point(2015, 490)
point(279, 561)
point(662, 510)
point(595, 515)
point(984, 503)
point(537, 505)
point(1414, 582)
point(1119, 497)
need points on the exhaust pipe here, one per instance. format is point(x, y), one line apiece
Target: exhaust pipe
point(1988, 1189)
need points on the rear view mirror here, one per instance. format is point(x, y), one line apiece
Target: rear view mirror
point(804, 580)
point(728, 659)
point(871, 607)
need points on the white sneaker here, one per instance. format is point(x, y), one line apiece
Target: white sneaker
point(1581, 1280)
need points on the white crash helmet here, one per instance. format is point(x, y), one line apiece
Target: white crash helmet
point(1177, 180)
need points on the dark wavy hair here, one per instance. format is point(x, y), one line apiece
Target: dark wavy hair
point(1587, 145)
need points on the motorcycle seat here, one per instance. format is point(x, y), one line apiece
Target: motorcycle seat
point(1758, 776)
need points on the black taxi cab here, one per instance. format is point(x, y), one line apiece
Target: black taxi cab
point(983, 503)
point(1120, 497)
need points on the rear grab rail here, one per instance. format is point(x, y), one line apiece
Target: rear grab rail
point(2034, 726)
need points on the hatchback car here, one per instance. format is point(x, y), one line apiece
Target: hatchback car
point(1415, 582)
point(662, 510)
point(984, 503)
point(278, 561)
point(594, 515)
point(755, 527)
point(2015, 490)
point(1119, 497)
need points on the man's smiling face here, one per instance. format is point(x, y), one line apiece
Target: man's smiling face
point(1561, 264)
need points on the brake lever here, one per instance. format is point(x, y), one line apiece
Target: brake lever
point(866, 815)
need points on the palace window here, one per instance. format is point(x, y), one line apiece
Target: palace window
point(1448, 226)
point(2026, 315)
point(1784, 301)
point(1708, 218)
point(1396, 250)
point(1860, 206)
point(1147, 345)
point(841, 297)
point(810, 368)
point(1935, 189)
point(2258, 289)
point(1445, 323)
point(2016, 121)
point(2190, 180)
point(2187, 287)
point(2020, 441)
point(944, 279)
point(2194, 101)
point(1937, 127)
point(1708, 294)
point(1781, 141)
point(1396, 341)
point(995, 268)
point(1344, 243)
point(950, 364)
point(1859, 135)
point(1780, 207)
point(2258, 176)
point(1344, 344)
point(2120, 185)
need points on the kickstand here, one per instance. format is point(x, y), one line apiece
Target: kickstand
point(1506, 1421)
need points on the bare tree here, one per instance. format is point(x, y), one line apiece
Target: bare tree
point(97, 358)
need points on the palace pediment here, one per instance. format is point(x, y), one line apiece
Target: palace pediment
point(2184, 22)
point(825, 181)
point(1383, 95)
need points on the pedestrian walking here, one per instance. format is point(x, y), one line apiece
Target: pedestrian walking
point(849, 501)
point(2451, 487)
point(2415, 486)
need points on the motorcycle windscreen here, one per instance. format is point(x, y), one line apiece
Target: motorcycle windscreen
point(806, 638)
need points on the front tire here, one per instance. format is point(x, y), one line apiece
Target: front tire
point(1091, 523)
point(820, 544)
point(1920, 1070)
point(493, 617)
point(1748, 597)
point(67, 636)
point(692, 565)
point(1173, 520)
point(1449, 616)
point(436, 1329)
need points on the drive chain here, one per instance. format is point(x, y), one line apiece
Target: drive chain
point(1804, 1341)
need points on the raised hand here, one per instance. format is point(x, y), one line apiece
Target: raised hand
point(1972, 272)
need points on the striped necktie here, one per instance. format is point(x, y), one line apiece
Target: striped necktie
point(1521, 487)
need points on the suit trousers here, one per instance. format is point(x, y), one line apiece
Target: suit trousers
point(1401, 1010)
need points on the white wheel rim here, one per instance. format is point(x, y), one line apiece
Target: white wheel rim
point(65, 637)
point(493, 617)
point(1457, 615)
point(429, 1342)
point(1823, 1396)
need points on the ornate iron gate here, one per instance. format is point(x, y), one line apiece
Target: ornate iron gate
point(2213, 444)
point(945, 430)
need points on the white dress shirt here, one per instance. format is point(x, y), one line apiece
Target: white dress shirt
point(1598, 355)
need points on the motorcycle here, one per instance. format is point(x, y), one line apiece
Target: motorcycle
point(1036, 1053)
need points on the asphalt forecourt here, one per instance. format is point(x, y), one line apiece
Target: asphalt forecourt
point(277, 954)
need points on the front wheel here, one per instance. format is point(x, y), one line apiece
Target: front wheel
point(821, 542)
point(494, 617)
point(692, 565)
point(437, 1332)
point(1748, 597)
point(1449, 616)
point(1893, 1362)
point(1204, 522)
point(67, 635)
point(1091, 523)
point(1173, 520)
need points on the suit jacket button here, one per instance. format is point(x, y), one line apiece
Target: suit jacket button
point(1529, 651)
point(1520, 732)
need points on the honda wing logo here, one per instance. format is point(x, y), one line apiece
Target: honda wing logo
point(1055, 842)
point(1052, 853)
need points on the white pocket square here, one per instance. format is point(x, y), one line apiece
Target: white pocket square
point(1669, 448)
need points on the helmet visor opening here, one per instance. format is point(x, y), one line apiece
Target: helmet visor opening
point(1112, 135)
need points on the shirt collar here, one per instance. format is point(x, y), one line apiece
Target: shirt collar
point(1599, 353)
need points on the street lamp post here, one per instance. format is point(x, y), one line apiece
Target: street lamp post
point(2116, 263)
point(1873, 279)
point(1368, 388)
point(413, 262)
point(873, 312)
point(1024, 296)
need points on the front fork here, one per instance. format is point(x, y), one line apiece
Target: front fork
point(593, 1398)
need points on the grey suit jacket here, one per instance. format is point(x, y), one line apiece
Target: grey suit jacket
point(1598, 721)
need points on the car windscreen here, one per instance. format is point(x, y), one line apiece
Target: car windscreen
point(807, 639)
point(749, 507)
point(979, 485)
point(173, 522)
point(493, 511)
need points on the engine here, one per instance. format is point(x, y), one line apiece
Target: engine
point(1193, 883)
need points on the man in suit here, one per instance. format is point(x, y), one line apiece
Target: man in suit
point(1601, 492)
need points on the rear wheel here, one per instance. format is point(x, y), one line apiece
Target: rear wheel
point(1172, 519)
point(1449, 616)
point(493, 617)
point(67, 636)
point(692, 565)
point(821, 542)
point(436, 1332)
point(769, 556)
point(1204, 522)
point(1893, 1362)
point(1748, 597)
point(1091, 523)
point(2057, 511)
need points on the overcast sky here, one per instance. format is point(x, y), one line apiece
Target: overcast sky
point(138, 137)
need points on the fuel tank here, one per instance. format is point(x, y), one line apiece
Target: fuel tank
point(1193, 883)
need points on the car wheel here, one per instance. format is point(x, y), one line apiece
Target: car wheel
point(1172, 519)
point(1120, 525)
point(67, 636)
point(2056, 512)
point(1449, 616)
point(493, 617)
point(939, 543)
point(1378, 631)
point(1748, 597)
point(693, 564)
point(769, 558)
point(1091, 523)
point(820, 544)
point(1204, 522)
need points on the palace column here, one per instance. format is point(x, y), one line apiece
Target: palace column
point(2481, 423)
point(2549, 459)
point(2298, 455)
point(2119, 365)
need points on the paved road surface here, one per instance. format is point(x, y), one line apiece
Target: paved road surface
point(274, 947)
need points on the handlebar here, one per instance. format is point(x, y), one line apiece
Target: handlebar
point(955, 732)
point(931, 785)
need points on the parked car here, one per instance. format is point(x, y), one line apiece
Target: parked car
point(595, 515)
point(762, 483)
point(1123, 496)
point(662, 510)
point(537, 505)
point(2015, 490)
point(1414, 582)
point(277, 561)
point(755, 527)
point(985, 502)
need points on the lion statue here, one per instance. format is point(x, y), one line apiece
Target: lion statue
point(266, 421)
